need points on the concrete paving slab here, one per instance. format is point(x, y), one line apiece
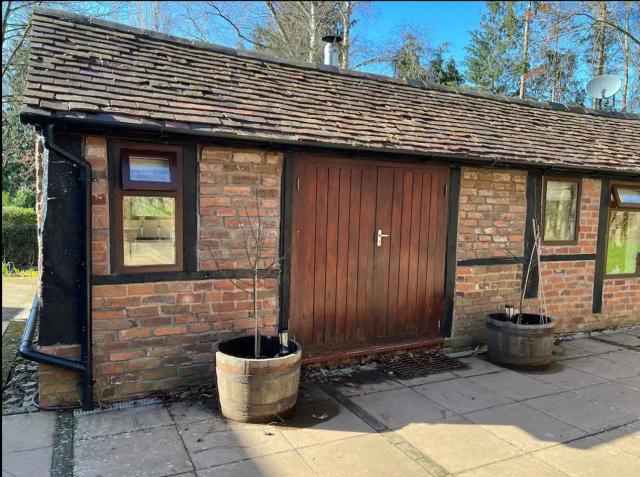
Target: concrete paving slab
point(625, 438)
point(283, 464)
point(457, 444)
point(564, 351)
point(599, 366)
point(631, 382)
point(154, 452)
point(626, 339)
point(398, 408)
point(320, 422)
point(580, 412)
point(360, 389)
point(208, 446)
point(635, 331)
point(523, 465)
point(363, 456)
point(122, 420)
point(564, 377)
point(477, 365)
point(524, 426)
point(184, 412)
point(617, 395)
point(625, 357)
point(432, 378)
point(589, 457)
point(28, 431)
point(310, 392)
point(27, 463)
point(514, 385)
point(461, 395)
point(592, 346)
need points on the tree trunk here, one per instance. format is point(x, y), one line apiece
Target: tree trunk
point(556, 52)
point(347, 13)
point(627, 54)
point(312, 32)
point(525, 50)
point(600, 44)
point(255, 312)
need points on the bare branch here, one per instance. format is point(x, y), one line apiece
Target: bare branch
point(606, 23)
point(239, 33)
point(279, 26)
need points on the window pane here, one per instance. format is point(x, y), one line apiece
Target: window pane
point(623, 251)
point(560, 211)
point(149, 169)
point(149, 230)
point(629, 196)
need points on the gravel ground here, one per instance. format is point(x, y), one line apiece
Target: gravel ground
point(20, 394)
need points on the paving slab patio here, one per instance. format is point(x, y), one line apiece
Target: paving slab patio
point(581, 417)
point(571, 419)
point(27, 444)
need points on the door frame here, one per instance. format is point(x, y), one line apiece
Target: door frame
point(286, 231)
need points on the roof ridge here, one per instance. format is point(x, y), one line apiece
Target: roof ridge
point(83, 19)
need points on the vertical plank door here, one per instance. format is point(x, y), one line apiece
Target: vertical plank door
point(346, 290)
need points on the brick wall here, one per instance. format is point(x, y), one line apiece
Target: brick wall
point(236, 186)
point(158, 336)
point(95, 152)
point(490, 224)
point(59, 387)
point(492, 213)
point(492, 227)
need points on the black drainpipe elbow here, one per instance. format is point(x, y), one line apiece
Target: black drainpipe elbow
point(48, 133)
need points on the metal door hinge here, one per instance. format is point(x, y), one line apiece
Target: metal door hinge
point(297, 183)
point(438, 324)
point(446, 190)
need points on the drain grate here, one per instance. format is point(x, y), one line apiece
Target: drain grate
point(416, 365)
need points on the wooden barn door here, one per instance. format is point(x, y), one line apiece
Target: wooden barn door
point(367, 258)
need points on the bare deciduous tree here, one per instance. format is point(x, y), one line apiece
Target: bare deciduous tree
point(255, 237)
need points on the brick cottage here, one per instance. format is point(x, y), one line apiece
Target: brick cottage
point(404, 211)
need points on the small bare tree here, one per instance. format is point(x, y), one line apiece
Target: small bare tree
point(534, 267)
point(255, 243)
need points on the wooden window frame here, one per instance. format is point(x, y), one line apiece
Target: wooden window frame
point(125, 170)
point(576, 232)
point(616, 206)
point(125, 187)
point(616, 202)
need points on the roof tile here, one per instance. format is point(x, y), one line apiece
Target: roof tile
point(86, 68)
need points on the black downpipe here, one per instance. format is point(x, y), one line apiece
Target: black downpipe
point(26, 348)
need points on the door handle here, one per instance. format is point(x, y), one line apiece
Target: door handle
point(379, 237)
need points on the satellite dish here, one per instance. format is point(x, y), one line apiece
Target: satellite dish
point(603, 86)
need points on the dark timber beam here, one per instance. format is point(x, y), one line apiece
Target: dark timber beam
point(450, 260)
point(286, 211)
point(533, 214)
point(601, 248)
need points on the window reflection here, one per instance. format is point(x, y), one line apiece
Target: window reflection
point(561, 202)
point(623, 251)
point(149, 230)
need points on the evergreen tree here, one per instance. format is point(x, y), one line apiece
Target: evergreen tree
point(492, 61)
point(406, 62)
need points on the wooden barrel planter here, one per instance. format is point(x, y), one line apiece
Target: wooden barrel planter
point(257, 390)
point(525, 345)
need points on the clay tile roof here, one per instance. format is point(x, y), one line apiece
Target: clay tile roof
point(82, 68)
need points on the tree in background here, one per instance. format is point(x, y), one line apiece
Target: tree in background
point(444, 71)
point(492, 61)
point(18, 140)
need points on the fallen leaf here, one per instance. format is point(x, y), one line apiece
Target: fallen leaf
point(321, 417)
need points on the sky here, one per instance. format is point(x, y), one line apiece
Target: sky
point(442, 21)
